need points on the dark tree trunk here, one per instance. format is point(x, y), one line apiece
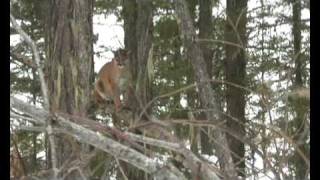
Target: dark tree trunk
point(235, 69)
point(138, 27)
point(206, 94)
point(138, 39)
point(299, 122)
point(35, 134)
point(130, 40)
point(205, 32)
point(70, 55)
point(296, 13)
point(144, 27)
point(70, 61)
point(193, 131)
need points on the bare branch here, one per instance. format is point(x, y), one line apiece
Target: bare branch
point(221, 41)
point(155, 142)
point(191, 160)
point(44, 89)
point(38, 115)
point(36, 55)
point(125, 153)
point(22, 59)
point(121, 169)
point(108, 145)
point(206, 94)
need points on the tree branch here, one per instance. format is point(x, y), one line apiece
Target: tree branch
point(189, 37)
point(103, 143)
point(44, 89)
point(36, 55)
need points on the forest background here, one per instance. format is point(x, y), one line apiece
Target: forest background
point(221, 89)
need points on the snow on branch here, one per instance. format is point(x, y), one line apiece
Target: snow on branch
point(93, 133)
point(96, 139)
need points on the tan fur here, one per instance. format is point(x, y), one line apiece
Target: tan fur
point(112, 79)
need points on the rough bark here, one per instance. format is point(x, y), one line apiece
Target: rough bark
point(70, 55)
point(235, 69)
point(144, 27)
point(138, 28)
point(138, 39)
point(34, 135)
point(130, 17)
point(299, 103)
point(69, 63)
point(296, 13)
point(205, 91)
point(205, 32)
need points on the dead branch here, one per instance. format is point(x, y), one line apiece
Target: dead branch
point(103, 143)
point(189, 36)
point(44, 89)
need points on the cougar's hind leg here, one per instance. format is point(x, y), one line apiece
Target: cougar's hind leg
point(117, 101)
point(115, 94)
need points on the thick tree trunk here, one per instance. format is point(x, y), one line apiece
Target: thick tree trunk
point(130, 40)
point(301, 137)
point(235, 69)
point(70, 61)
point(138, 39)
point(206, 94)
point(35, 134)
point(205, 32)
point(70, 55)
point(296, 13)
point(144, 28)
point(138, 28)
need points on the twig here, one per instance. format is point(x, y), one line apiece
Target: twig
point(121, 170)
point(190, 86)
point(17, 116)
point(73, 169)
point(220, 41)
point(34, 129)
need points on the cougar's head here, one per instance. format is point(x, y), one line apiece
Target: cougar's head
point(121, 56)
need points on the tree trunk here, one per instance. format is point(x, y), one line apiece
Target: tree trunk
point(130, 40)
point(206, 94)
point(70, 62)
point(205, 32)
point(138, 39)
point(144, 29)
point(299, 121)
point(296, 13)
point(35, 134)
point(235, 69)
